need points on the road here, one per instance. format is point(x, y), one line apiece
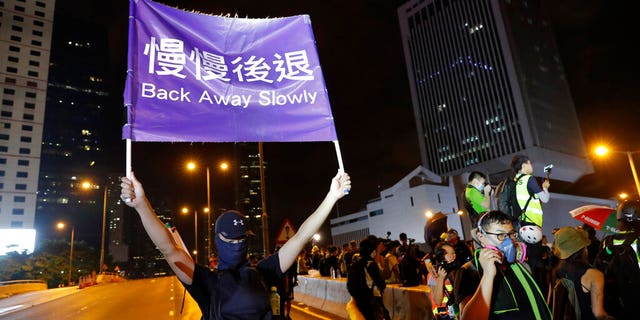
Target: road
point(157, 298)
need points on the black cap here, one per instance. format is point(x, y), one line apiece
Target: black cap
point(231, 225)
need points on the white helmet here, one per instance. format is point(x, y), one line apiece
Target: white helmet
point(531, 234)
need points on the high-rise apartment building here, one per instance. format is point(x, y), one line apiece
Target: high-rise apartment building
point(79, 133)
point(25, 43)
point(487, 82)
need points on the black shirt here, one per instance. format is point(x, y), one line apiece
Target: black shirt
point(237, 294)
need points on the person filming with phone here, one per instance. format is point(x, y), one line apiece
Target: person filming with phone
point(440, 281)
point(530, 197)
point(505, 288)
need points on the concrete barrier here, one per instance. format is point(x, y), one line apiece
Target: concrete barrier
point(109, 277)
point(331, 295)
point(9, 288)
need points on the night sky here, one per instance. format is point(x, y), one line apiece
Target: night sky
point(363, 64)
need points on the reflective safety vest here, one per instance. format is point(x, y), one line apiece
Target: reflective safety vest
point(533, 213)
point(448, 287)
point(634, 246)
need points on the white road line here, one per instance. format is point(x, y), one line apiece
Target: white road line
point(309, 312)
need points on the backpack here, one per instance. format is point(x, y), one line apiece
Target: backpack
point(619, 264)
point(356, 277)
point(507, 200)
point(564, 302)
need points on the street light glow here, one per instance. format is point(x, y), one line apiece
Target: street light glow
point(185, 210)
point(316, 237)
point(623, 195)
point(86, 185)
point(224, 166)
point(191, 165)
point(428, 214)
point(60, 225)
point(601, 150)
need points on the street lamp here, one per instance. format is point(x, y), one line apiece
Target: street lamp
point(191, 166)
point(185, 211)
point(88, 185)
point(603, 150)
point(60, 226)
point(316, 238)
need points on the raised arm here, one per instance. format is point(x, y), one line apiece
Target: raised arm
point(290, 250)
point(180, 262)
point(437, 285)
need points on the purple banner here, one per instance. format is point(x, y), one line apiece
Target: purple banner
point(202, 78)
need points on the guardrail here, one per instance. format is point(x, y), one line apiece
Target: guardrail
point(331, 295)
point(8, 288)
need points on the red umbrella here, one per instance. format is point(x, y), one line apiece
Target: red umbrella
point(599, 217)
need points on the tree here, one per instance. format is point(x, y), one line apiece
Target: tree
point(50, 263)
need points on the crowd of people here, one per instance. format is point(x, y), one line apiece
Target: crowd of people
point(508, 270)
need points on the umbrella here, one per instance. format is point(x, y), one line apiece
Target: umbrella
point(599, 217)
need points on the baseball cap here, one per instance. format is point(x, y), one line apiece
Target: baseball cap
point(569, 240)
point(232, 225)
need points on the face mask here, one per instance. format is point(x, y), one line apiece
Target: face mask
point(231, 255)
point(480, 187)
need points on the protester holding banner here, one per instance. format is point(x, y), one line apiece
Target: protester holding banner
point(235, 291)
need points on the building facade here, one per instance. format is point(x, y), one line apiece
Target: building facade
point(25, 41)
point(404, 207)
point(249, 191)
point(487, 82)
point(78, 143)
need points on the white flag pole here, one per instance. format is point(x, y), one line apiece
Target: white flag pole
point(128, 159)
point(339, 154)
point(340, 163)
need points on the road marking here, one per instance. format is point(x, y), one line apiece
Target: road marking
point(305, 310)
point(6, 310)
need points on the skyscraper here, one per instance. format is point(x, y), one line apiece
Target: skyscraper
point(78, 132)
point(487, 82)
point(249, 191)
point(25, 42)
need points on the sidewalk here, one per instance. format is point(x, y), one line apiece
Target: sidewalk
point(29, 299)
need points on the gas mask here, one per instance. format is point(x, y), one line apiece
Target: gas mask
point(510, 252)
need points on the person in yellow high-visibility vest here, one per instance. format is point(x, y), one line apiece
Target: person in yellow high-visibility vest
point(530, 198)
point(528, 191)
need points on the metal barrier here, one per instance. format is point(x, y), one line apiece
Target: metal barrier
point(9, 288)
